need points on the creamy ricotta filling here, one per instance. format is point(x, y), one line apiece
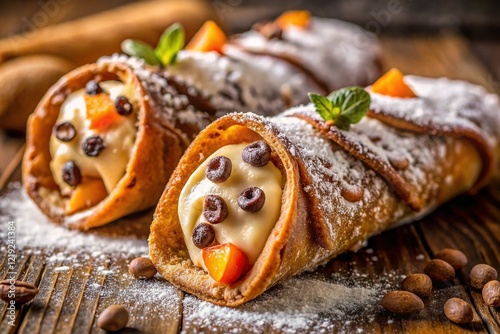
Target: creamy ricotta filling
point(246, 230)
point(118, 140)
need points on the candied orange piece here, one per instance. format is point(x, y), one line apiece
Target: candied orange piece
point(87, 194)
point(295, 18)
point(392, 84)
point(225, 263)
point(101, 111)
point(210, 37)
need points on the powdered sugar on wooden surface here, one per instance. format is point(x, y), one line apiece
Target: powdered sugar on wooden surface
point(35, 231)
point(298, 305)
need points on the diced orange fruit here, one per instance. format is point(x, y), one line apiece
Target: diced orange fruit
point(225, 263)
point(294, 18)
point(101, 111)
point(87, 194)
point(392, 84)
point(210, 37)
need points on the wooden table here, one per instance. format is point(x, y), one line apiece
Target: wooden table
point(66, 303)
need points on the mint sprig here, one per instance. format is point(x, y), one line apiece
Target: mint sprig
point(343, 107)
point(171, 42)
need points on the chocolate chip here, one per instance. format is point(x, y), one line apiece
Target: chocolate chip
point(203, 235)
point(92, 146)
point(257, 154)
point(219, 169)
point(251, 199)
point(93, 88)
point(123, 106)
point(71, 173)
point(64, 131)
point(214, 209)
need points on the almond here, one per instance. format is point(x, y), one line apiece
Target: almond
point(491, 293)
point(482, 274)
point(113, 318)
point(18, 291)
point(402, 302)
point(458, 311)
point(142, 268)
point(419, 284)
point(454, 257)
point(439, 271)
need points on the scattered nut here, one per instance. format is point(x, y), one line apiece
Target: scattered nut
point(402, 302)
point(454, 257)
point(113, 318)
point(458, 311)
point(439, 271)
point(482, 274)
point(491, 293)
point(419, 284)
point(142, 268)
point(20, 292)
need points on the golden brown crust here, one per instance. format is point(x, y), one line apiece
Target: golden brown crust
point(304, 224)
point(478, 139)
point(158, 147)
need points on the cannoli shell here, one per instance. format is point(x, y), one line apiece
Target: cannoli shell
point(158, 146)
point(318, 220)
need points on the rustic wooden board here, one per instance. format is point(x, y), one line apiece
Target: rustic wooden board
point(70, 300)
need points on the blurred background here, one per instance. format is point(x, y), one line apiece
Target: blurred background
point(478, 18)
point(41, 40)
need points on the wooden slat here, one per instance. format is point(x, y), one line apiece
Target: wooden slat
point(17, 271)
point(447, 55)
point(11, 153)
point(90, 298)
point(154, 306)
point(464, 225)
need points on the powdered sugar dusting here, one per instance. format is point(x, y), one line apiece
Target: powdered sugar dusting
point(330, 170)
point(35, 231)
point(304, 304)
point(445, 104)
point(154, 299)
point(326, 46)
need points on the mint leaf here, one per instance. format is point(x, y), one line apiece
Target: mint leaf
point(140, 50)
point(171, 42)
point(344, 107)
point(354, 102)
point(343, 123)
point(324, 106)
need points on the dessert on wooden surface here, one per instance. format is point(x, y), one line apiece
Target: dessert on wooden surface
point(105, 139)
point(256, 200)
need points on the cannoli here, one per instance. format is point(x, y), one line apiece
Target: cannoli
point(344, 54)
point(256, 200)
point(104, 140)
